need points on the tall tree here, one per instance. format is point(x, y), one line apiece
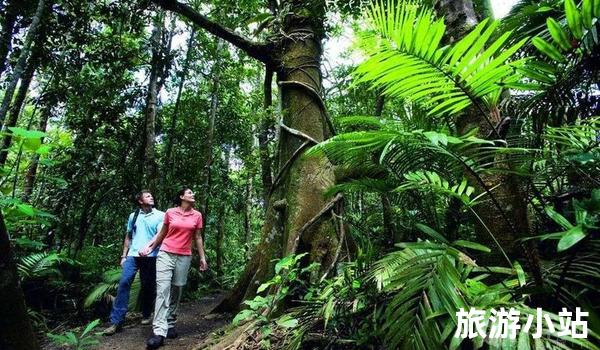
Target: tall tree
point(16, 332)
point(15, 109)
point(21, 62)
point(8, 25)
point(210, 133)
point(172, 137)
point(298, 217)
point(156, 69)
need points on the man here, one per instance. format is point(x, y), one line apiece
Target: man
point(142, 226)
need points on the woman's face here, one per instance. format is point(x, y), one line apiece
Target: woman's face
point(188, 196)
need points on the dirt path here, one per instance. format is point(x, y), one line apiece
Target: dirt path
point(194, 323)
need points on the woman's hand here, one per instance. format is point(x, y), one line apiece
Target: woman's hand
point(123, 259)
point(203, 264)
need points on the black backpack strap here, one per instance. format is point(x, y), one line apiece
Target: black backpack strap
point(133, 224)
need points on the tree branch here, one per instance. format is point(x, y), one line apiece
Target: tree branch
point(259, 51)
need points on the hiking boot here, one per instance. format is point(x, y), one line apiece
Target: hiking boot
point(146, 321)
point(172, 333)
point(114, 328)
point(155, 342)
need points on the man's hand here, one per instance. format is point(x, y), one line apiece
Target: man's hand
point(123, 259)
point(203, 265)
point(145, 251)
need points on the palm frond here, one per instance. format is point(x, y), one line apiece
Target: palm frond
point(406, 59)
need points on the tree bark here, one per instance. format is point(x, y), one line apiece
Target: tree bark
point(10, 18)
point(214, 106)
point(20, 65)
point(389, 227)
point(263, 137)
point(150, 167)
point(16, 332)
point(33, 166)
point(247, 213)
point(222, 212)
point(459, 17)
point(17, 105)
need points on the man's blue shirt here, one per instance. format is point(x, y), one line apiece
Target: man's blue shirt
point(147, 226)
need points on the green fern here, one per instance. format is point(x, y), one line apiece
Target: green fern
point(105, 289)
point(41, 265)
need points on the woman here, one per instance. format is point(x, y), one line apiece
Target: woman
point(181, 224)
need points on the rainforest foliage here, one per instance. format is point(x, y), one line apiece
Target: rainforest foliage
point(353, 199)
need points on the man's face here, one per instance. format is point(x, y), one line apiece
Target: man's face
point(147, 199)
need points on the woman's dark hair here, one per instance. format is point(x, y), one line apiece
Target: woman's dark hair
point(177, 199)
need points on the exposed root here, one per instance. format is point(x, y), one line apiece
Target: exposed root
point(315, 219)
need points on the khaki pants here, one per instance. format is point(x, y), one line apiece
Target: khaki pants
point(171, 276)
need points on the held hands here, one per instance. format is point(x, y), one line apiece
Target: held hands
point(203, 265)
point(123, 259)
point(145, 251)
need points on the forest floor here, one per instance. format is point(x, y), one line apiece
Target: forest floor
point(194, 324)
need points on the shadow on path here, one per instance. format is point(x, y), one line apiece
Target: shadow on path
point(194, 323)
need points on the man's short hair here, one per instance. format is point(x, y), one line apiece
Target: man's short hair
point(140, 195)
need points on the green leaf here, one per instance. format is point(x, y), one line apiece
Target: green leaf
point(520, 273)
point(471, 245)
point(574, 19)
point(27, 134)
point(559, 219)
point(26, 209)
point(570, 238)
point(43, 149)
point(32, 144)
point(548, 49)
point(263, 287)
point(431, 233)
point(90, 326)
point(242, 315)
point(587, 13)
point(558, 34)
point(284, 263)
point(261, 17)
point(287, 321)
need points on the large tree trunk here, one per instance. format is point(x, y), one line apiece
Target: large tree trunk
point(299, 217)
point(503, 217)
point(20, 65)
point(210, 133)
point(16, 332)
point(8, 25)
point(15, 109)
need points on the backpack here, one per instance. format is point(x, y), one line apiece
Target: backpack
point(134, 227)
